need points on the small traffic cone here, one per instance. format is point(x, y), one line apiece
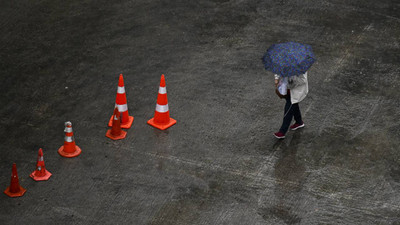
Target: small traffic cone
point(161, 119)
point(14, 190)
point(121, 103)
point(115, 132)
point(69, 149)
point(40, 173)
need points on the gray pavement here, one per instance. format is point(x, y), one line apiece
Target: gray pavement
point(219, 164)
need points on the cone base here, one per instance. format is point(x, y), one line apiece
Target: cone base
point(126, 125)
point(37, 178)
point(67, 154)
point(13, 195)
point(162, 126)
point(121, 136)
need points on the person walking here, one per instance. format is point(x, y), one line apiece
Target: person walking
point(296, 90)
point(290, 62)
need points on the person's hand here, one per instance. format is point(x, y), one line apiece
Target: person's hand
point(276, 80)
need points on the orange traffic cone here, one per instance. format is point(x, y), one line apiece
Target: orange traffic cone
point(69, 149)
point(14, 190)
point(161, 118)
point(121, 103)
point(115, 132)
point(40, 173)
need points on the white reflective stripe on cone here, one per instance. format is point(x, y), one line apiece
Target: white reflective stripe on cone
point(68, 129)
point(122, 108)
point(162, 90)
point(162, 108)
point(68, 139)
point(115, 117)
point(121, 90)
point(41, 158)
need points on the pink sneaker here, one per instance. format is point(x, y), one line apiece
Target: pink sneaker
point(279, 135)
point(296, 126)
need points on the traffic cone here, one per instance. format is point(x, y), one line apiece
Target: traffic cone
point(161, 119)
point(69, 149)
point(121, 103)
point(115, 132)
point(14, 190)
point(40, 173)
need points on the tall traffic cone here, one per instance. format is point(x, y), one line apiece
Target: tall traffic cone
point(69, 149)
point(40, 173)
point(161, 119)
point(122, 104)
point(14, 190)
point(115, 132)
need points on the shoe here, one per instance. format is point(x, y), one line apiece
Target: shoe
point(279, 135)
point(296, 126)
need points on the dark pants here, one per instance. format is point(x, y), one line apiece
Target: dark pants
point(291, 110)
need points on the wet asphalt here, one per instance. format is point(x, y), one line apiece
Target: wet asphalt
point(220, 164)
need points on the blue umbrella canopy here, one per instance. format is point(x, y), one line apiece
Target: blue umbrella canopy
point(288, 59)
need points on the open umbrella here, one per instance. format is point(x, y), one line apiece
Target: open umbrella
point(288, 59)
